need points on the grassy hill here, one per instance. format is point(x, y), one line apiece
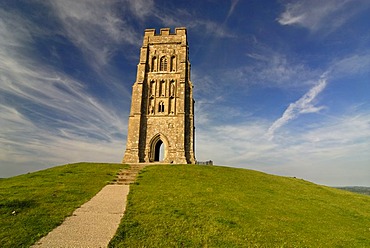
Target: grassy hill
point(202, 206)
point(190, 206)
point(32, 205)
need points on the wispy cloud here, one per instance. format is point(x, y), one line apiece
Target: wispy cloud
point(45, 115)
point(102, 29)
point(316, 15)
point(314, 152)
point(182, 18)
point(140, 8)
point(96, 27)
point(273, 69)
point(26, 146)
point(303, 105)
point(232, 8)
point(350, 64)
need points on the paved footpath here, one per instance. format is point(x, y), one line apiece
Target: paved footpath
point(93, 224)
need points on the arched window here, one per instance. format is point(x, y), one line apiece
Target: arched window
point(163, 65)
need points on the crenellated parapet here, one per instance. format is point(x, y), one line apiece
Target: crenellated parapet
point(164, 31)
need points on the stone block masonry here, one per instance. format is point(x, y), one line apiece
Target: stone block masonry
point(161, 121)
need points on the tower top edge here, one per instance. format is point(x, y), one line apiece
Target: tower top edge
point(165, 31)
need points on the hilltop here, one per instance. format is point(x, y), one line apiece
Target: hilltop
point(213, 206)
point(190, 206)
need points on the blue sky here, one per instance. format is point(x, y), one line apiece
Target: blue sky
point(280, 86)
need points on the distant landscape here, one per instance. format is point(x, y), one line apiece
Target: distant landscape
point(190, 206)
point(357, 189)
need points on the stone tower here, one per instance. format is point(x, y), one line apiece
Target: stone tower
point(162, 105)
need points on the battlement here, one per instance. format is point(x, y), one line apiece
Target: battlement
point(165, 31)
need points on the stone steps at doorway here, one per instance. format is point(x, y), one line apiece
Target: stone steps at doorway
point(128, 176)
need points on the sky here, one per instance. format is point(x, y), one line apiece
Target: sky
point(280, 86)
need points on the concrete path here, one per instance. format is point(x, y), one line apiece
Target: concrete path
point(93, 224)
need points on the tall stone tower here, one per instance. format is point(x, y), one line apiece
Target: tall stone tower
point(162, 105)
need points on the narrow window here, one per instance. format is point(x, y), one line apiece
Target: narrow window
point(163, 64)
point(162, 88)
point(172, 88)
point(154, 63)
point(151, 107)
point(172, 105)
point(161, 107)
point(173, 63)
point(152, 88)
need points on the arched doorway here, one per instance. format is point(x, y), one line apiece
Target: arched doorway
point(158, 148)
point(159, 151)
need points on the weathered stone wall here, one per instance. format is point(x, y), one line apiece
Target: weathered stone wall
point(162, 106)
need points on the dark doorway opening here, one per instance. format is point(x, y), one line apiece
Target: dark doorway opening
point(159, 151)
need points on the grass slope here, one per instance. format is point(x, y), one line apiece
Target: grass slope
point(202, 206)
point(31, 205)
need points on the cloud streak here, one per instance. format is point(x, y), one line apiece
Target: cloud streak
point(316, 15)
point(232, 8)
point(95, 27)
point(303, 105)
point(47, 117)
point(182, 18)
point(273, 70)
point(313, 149)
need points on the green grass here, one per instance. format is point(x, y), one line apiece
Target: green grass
point(32, 205)
point(189, 206)
point(204, 206)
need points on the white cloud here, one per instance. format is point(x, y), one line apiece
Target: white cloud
point(47, 117)
point(15, 30)
point(326, 153)
point(24, 145)
point(238, 143)
point(273, 70)
point(316, 14)
point(141, 8)
point(182, 18)
point(210, 27)
point(60, 127)
point(351, 64)
point(232, 8)
point(96, 27)
point(303, 105)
